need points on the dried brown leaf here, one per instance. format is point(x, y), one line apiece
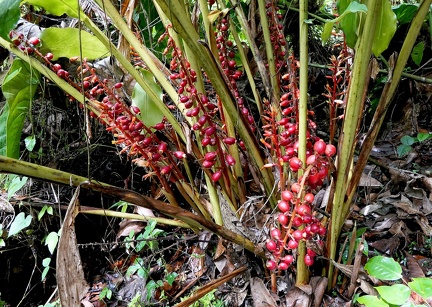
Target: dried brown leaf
point(260, 294)
point(414, 269)
point(70, 275)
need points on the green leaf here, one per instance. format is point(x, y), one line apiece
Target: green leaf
point(371, 301)
point(105, 293)
point(2, 243)
point(16, 184)
point(171, 277)
point(9, 16)
point(30, 142)
point(327, 30)
point(20, 222)
point(65, 42)
point(408, 140)
point(422, 286)
point(395, 294)
point(403, 150)
point(150, 113)
point(51, 241)
point(45, 272)
point(385, 28)
point(405, 12)
point(350, 23)
point(42, 212)
point(57, 7)
point(384, 268)
point(46, 262)
point(417, 53)
point(421, 137)
point(19, 87)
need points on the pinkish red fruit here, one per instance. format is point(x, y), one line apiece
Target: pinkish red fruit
point(271, 245)
point(295, 164)
point(309, 198)
point(118, 85)
point(275, 233)
point(271, 265)
point(320, 147)
point(49, 56)
point(297, 235)
point(283, 206)
point(210, 156)
point(216, 176)
point(304, 210)
point(292, 244)
point(283, 219)
point(308, 260)
point(330, 150)
point(229, 140)
point(179, 154)
point(287, 195)
point(34, 41)
point(230, 160)
point(288, 259)
point(283, 266)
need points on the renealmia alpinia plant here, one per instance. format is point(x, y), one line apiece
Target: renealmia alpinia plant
point(217, 130)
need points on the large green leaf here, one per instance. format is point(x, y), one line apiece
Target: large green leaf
point(19, 223)
point(150, 113)
point(385, 28)
point(65, 42)
point(371, 301)
point(422, 286)
point(348, 19)
point(19, 87)
point(405, 12)
point(417, 53)
point(9, 16)
point(395, 294)
point(384, 268)
point(57, 7)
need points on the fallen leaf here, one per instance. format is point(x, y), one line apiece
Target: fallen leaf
point(260, 294)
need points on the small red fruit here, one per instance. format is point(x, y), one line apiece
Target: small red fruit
point(275, 233)
point(229, 140)
point(118, 85)
point(292, 244)
point(309, 198)
point(308, 260)
point(271, 245)
point(283, 266)
point(283, 206)
point(49, 56)
point(159, 126)
point(320, 147)
point(330, 150)
point(210, 156)
point(295, 164)
point(288, 259)
point(297, 235)
point(295, 187)
point(230, 160)
point(283, 219)
point(34, 41)
point(287, 195)
point(271, 265)
point(216, 176)
point(179, 154)
point(304, 210)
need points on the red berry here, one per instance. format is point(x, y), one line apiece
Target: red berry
point(135, 109)
point(159, 126)
point(283, 219)
point(61, 73)
point(271, 265)
point(297, 222)
point(179, 154)
point(310, 160)
point(230, 160)
point(275, 233)
point(295, 187)
point(295, 164)
point(308, 260)
point(271, 245)
point(297, 235)
point(283, 266)
point(216, 176)
point(49, 56)
point(210, 156)
point(320, 147)
point(162, 147)
point(210, 130)
point(304, 210)
point(309, 198)
point(330, 150)
point(293, 244)
point(165, 170)
point(208, 164)
point(56, 67)
point(283, 206)
point(288, 259)
point(287, 195)
point(229, 140)
point(34, 41)
point(307, 219)
point(118, 85)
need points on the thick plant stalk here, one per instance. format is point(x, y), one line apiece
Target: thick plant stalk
point(351, 118)
point(302, 270)
point(387, 94)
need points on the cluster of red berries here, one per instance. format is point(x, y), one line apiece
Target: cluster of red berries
point(296, 218)
point(277, 36)
point(201, 112)
point(25, 45)
point(226, 53)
